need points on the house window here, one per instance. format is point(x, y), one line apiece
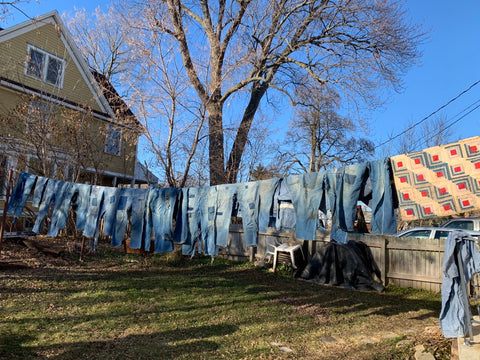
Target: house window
point(113, 140)
point(44, 66)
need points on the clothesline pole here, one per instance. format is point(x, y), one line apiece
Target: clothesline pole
point(82, 248)
point(4, 216)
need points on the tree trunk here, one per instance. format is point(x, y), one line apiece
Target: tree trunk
point(216, 155)
point(241, 137)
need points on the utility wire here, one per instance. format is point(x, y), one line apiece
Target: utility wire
point(428, 116)
point(449, 125)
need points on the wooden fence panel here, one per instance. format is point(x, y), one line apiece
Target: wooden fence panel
point(405, 262)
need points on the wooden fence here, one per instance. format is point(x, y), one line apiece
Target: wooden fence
point(406, 262)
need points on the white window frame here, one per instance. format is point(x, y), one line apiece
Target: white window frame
point(110, 146)
point(44, 66)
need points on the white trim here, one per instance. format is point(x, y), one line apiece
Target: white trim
point(111, 173)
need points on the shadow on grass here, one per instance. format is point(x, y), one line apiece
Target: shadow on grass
point(160, 345)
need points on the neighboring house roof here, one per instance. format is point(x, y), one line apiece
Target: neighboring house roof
point(119, 106)
point(141, 174)
point(111, 105)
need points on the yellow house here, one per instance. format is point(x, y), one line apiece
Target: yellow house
point(57, 117)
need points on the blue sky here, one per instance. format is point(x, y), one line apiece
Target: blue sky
point(450, 64)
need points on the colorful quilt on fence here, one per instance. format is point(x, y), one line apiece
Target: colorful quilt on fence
point(438, 181)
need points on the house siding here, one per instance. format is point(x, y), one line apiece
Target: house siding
point(75, 92)
point(13, 54)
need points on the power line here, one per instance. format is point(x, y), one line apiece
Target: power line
point(454, 120)
point(428, 116)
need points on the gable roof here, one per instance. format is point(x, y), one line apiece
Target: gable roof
point(119, 106)
point(97, 89)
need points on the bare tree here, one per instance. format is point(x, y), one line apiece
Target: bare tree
point(437, 131)
point(420, 135)
point(229, 46)
point(102, 42)
point(319, 138)
point(8, 7)
point(234, 52)
point(138, 59)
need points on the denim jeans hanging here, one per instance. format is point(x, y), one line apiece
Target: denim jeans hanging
point(159, 218)
point(223, 214)
point(21, 193)
point(266, 191)
point(383, 219)
point(306, 191)
point(247, 196)
point(51, 197)
point(201, 220)
point(39, 190)
point(131, 206)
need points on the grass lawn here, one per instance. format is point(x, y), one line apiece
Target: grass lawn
point(125, 306)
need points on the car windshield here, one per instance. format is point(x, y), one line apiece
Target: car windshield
point(460, 224)
point(417, 234)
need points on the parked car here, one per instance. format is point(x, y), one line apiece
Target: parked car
point(469, 223)
point(430, 232)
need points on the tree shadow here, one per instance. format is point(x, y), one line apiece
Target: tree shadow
point(159, 345)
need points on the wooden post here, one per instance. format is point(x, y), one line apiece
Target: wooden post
point(5, 206)
point(82, 249)
point(384, 254)
point(252, 253)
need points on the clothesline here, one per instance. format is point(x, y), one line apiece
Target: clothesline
point(202, 215)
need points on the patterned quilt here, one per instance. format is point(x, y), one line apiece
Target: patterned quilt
point(438, 181)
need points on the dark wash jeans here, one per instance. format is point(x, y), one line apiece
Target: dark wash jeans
point(21, 193)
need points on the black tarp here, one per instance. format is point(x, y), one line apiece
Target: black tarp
point(348, 265)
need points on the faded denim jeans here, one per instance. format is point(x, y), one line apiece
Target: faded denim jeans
point(60, 211)
point(383, 213)
point(80, 205)
point(350, 180)
point(103, 204)
point(21, 193)
point(201, 220)
point(283, 208)
point(159, 218)
point(247, 196)
point(452, 315)
point(93, 212)
point(330, 190)
point(306, 191)
point(223, 214)
point(131, 205)
point(40, 187)
point(73, 195)
point(266, 191)
point(51, 197)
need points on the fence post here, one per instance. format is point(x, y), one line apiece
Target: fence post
point(252, 253)
point(4, 217)
point(384, 254)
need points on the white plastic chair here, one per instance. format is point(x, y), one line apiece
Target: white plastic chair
point(288, 249)
point(271, 244)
